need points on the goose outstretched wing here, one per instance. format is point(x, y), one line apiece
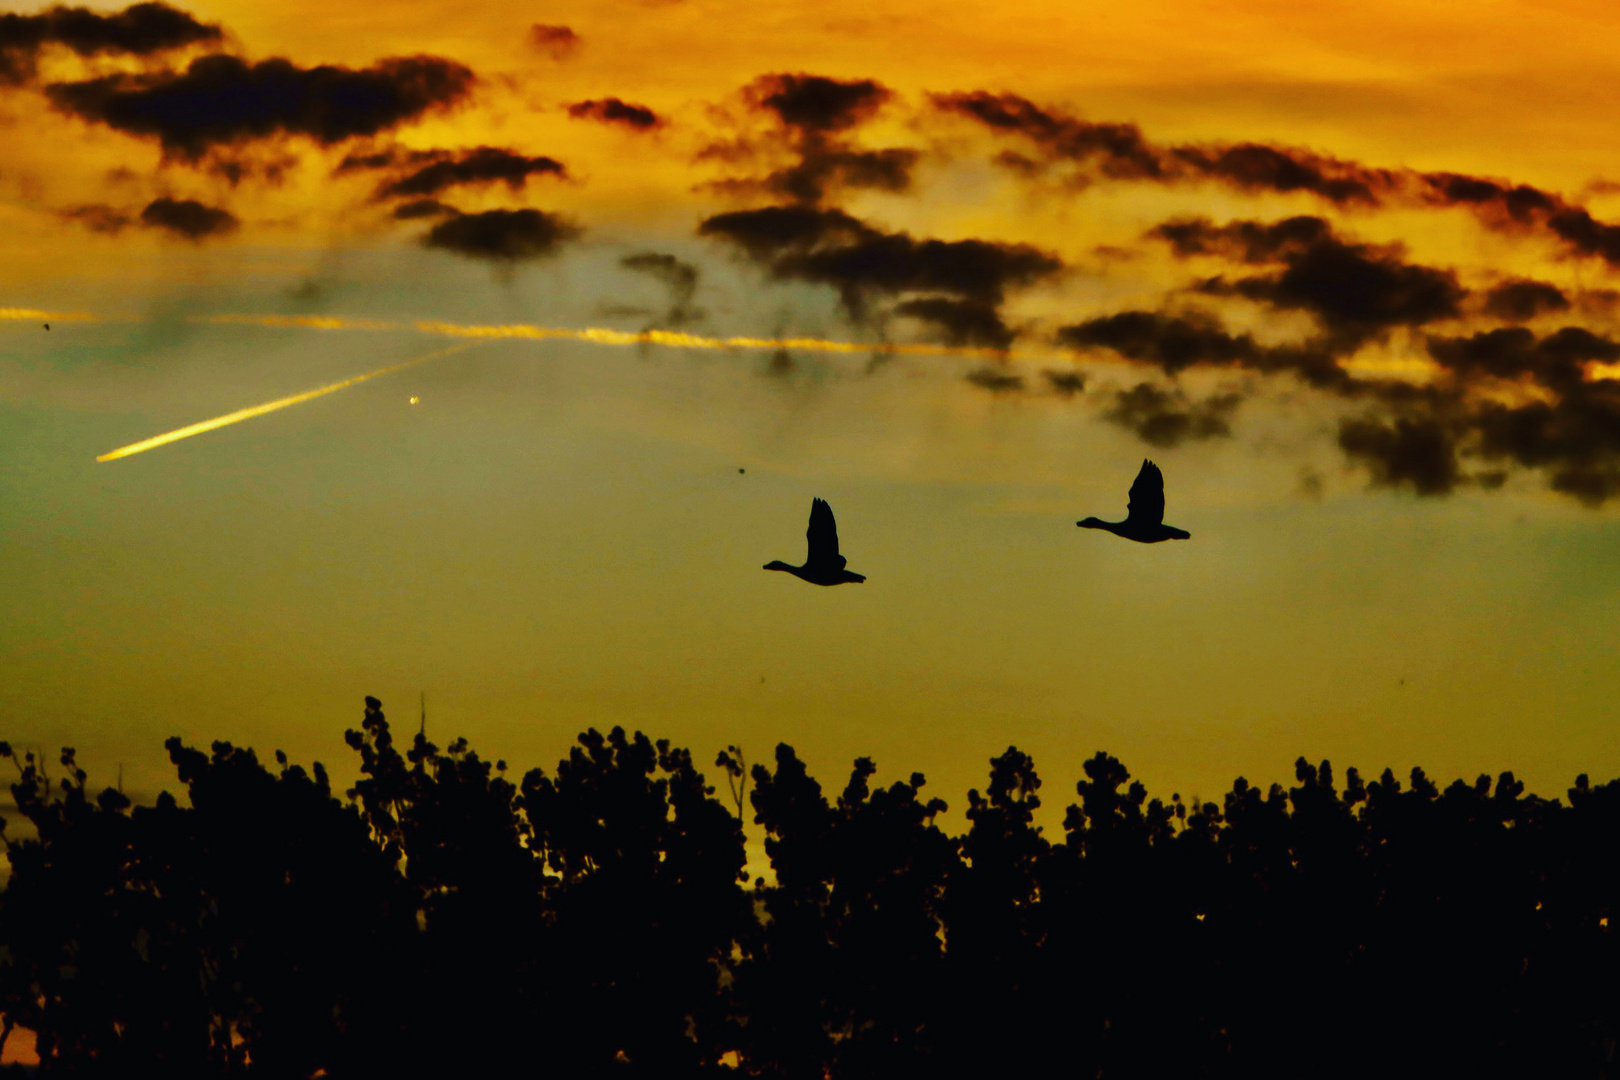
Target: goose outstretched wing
point(823, 537)
point(1146, 504)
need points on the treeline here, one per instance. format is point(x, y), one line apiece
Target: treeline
point(448, 920)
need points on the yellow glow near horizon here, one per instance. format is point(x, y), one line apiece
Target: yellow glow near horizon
point(268, 407)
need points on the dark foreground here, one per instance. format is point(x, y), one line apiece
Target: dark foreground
point(447, 921)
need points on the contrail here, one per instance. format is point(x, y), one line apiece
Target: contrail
point(672, 339)
point(598, 335)
point(309, 322)
point(17, 314)
point(1418, 367)
point(268, 407)
point(521, 331)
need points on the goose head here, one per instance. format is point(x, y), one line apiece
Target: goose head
point(778, 564)
point(1093, 523)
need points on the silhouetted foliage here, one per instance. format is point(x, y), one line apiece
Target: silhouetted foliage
point(446, 920)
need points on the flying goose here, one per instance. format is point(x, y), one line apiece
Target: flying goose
point(823, 565)
point(1144, 513)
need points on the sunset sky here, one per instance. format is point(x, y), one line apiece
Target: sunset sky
point(1348, 274)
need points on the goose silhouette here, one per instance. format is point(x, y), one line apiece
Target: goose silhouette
point(822, 565)
point(1144, 513)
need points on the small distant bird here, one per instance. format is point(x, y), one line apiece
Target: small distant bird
point(823, 565)
point(1144, 513)
point(741, 471)
point(47, 326)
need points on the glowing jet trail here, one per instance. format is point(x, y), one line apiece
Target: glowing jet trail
point(597, 335)
point(268, 407)
point(15, 314)
point(672, 339)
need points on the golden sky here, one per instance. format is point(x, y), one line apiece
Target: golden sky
point(1345, 273)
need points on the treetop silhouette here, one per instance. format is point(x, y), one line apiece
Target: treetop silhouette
point(443, 918)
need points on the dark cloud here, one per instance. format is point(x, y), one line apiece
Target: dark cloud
point(1417, 452)
point(767, 232)
point(1570, 437)
point(1593, 487)
point(98, 217)
point(1557, 361)
point(896, 262)
point(1090, 151)
point(506, 236)
point(1253, 167)
point(422, 208)
point(1502, 398)
point(1065, 383)
point(184, 217)
point(1174, 343)
point(1170, 342)
point(1520, 207)
point(816, 103)
point(188, 218)
point(480, 165)
point(1571, 429)
point(557, 42)
point(1177, 343)
point(963, 322)
point(613, 111)
point(1577, 228)
point(823, 169)
point(1496, 201)
point(234, 167)
point(680, 278)
point(995, 380)
point(1166, 418)
point(1503, 354)
point(1356, 292)
point(138, 30)
point(830, 247)
point(1520, 301)
point(386, 158)
point(1122, 152)
point(222, 100)
point(1243, 241)
point(813, 116)
point(1411, 435)
point(834, 167)
point(1119, 150)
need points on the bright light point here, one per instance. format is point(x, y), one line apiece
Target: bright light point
point(415, 400)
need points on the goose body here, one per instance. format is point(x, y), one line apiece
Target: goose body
point(822, 565)
point(1144, 513)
